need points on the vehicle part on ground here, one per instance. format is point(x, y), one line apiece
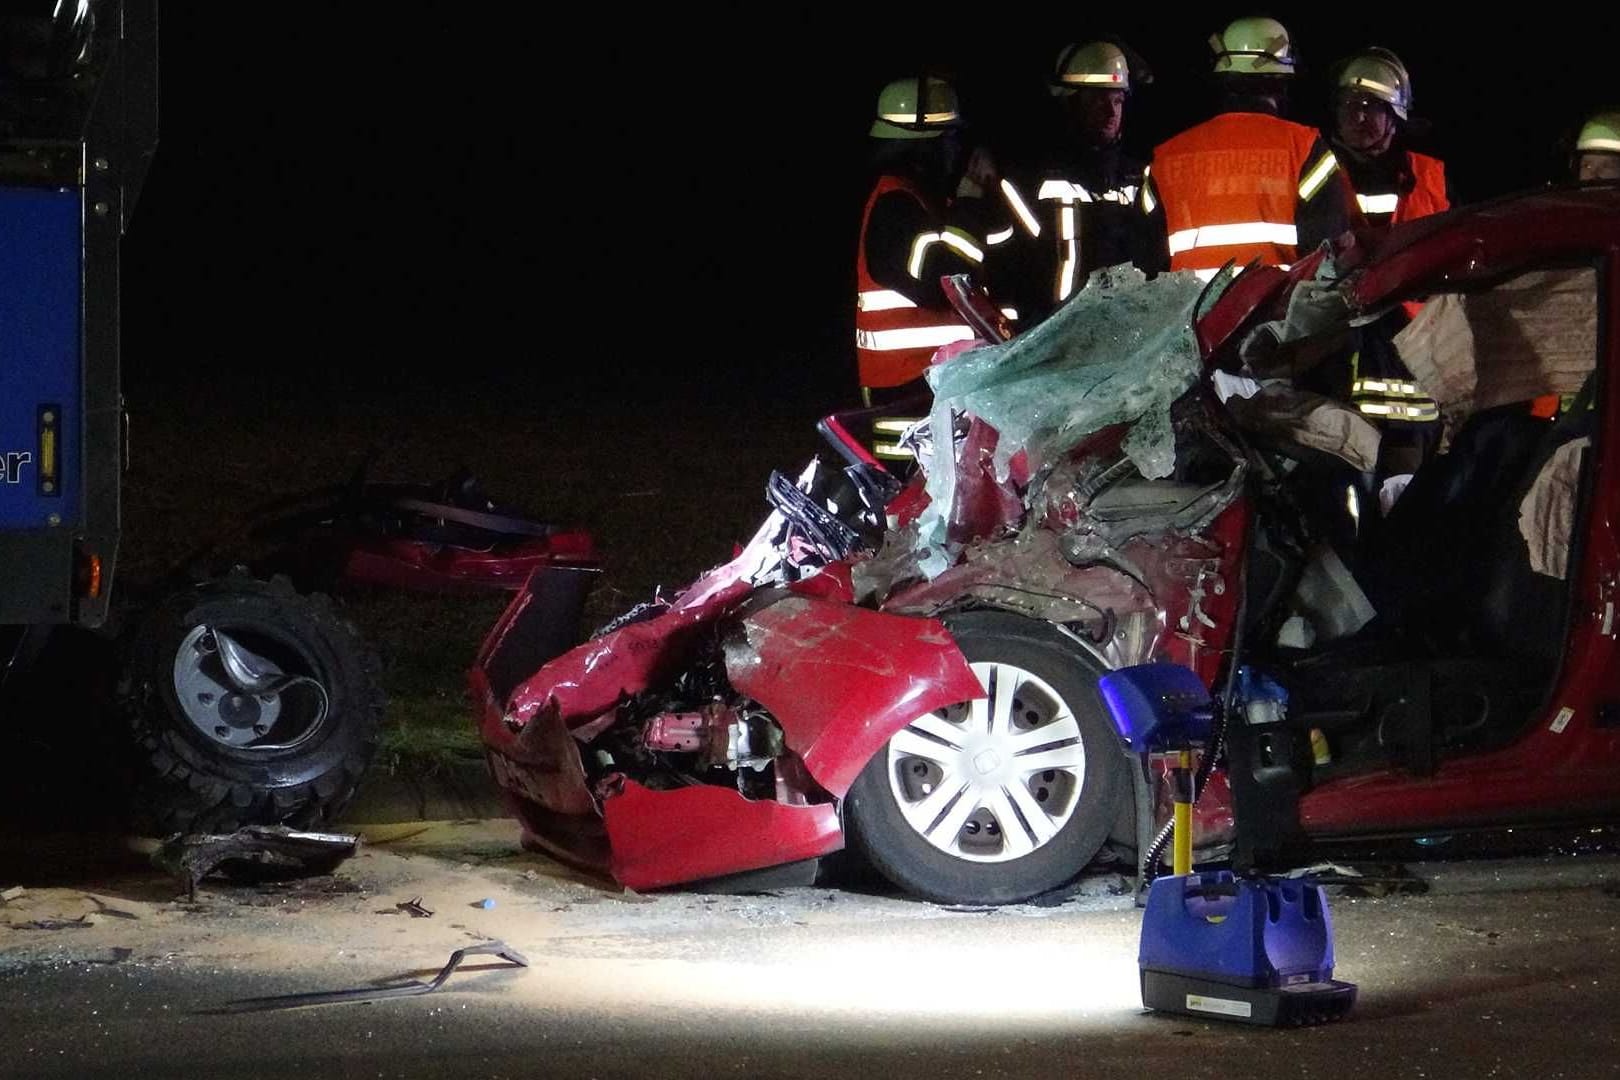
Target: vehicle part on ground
point(254, 853)
point(377, 993)
point(445, 538)
point(1004, 797)
point(249, 704)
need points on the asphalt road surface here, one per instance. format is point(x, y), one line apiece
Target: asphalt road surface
point(1500, 969)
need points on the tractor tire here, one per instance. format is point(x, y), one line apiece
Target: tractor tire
point(209, 753)
point(999, 800)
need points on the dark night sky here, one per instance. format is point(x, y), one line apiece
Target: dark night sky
point(649, 206)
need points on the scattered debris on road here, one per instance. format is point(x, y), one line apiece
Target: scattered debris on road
point(377, 993)
point(414, 908)
point(257, 852)
point(12, 893)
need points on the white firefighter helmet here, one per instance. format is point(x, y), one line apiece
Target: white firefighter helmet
point(920, 107)
point(1253, 46)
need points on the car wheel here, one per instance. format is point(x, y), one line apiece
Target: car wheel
point(249, 704)
point(1000, 799)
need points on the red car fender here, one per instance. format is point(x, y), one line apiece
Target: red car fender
point(841, 679)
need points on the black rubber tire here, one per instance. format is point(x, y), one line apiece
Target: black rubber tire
point(185, 782)
point(876, 829)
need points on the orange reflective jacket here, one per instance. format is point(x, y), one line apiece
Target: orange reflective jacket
point(1428, 194)
point(895, 337)
point(1231, 185)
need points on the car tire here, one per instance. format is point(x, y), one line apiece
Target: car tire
point(927, 811)
point(224, 758)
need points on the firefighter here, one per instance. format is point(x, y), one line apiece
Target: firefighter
point(1597, 148)
point(1246, 184)
point(1371, 113)
point(1050, 224)
point(906, 245)
point(1392, 184)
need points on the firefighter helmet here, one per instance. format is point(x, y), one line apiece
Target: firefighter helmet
point(1097, 65)
point(1253, 46)
point(1378, 73)
point(1600, 133)
point(916, 108)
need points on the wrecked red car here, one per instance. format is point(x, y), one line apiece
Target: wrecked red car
point(1146, 476)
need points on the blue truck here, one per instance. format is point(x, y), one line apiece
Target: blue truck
point(239, 701)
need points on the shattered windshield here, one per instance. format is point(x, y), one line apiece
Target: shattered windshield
point(1121, 352)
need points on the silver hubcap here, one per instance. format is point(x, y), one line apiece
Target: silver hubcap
point(994, 779)
point(239, 699)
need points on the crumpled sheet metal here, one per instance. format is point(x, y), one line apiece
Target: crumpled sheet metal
point(1033, 564)
point(840, 680)
point(587, 680)
point(1122, 351)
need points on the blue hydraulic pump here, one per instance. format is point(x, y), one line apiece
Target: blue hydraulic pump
point(1218, 944)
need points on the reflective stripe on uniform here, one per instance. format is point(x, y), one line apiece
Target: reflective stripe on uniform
point(1393, 399)
point(999, 237)
point(964, 242)
point(887, 432)
point(1394, 387)
point(1069, 193)
point(1063, 190)
point(1071, 254)
point(913, 337)
point(1390, 410)
point(1148, 202)
point(953, 238)
point(1318, 176)
point(882, 300)
point(1243, 232)
point(1016, 201)
point(1378, 204)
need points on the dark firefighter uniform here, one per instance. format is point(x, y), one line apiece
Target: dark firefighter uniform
point(1391, 189)
point(1046, 228)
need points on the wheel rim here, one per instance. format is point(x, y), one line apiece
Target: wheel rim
point(281, 710)
point(995, 779)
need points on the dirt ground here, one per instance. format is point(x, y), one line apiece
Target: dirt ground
point(1500, 969)
point(102, 899)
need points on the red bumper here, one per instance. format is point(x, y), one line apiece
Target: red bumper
point(840, 680)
